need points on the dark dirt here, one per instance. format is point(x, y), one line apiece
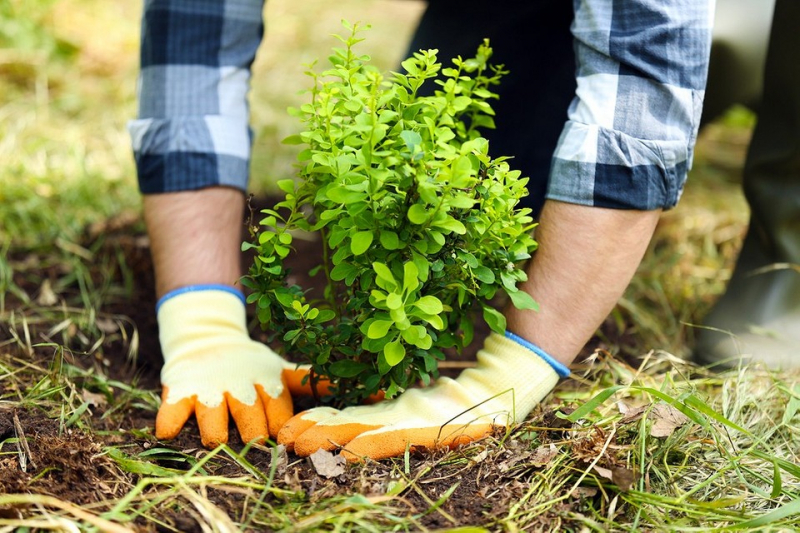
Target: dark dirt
point(66, 464)
point(71, 465)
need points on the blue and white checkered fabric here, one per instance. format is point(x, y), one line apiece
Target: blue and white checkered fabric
point(632, 126)
point(193, 125)
point(627, 142)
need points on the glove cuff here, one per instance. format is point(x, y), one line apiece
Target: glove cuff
point(197, 288)
point(198, 315)
point(559, 368)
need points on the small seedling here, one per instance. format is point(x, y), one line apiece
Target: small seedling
point(419, 224)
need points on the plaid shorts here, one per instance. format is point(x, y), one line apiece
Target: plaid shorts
point(193, 125)
point(632, 126)
point(627, 142)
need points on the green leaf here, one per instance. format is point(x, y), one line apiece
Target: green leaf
point(462, 173)
point(462, 201)
point(394, 352)
point(437, 237)
point(293, 139)
point(410, 276)
point(422, 266)
point(330, 214)
point(429, 304)
point(523, 300)
point(284, 297)
point(390, 240)
point(434, 320)
point(360, 242)
point(398, 315)
point(341, 271)
point(467, 329)
point(484, 274)
point(394, 301)
point(418, 336)
point(340, 195)
point(384, 273)
point(325, 315)
point(417, 214)
point(413, 334)
point(286, 186)
point(354, 105)
point(379, 328)
point(509, 281)
point(452, 225)
point(347, 369)
point(411, 138)
point(461, 102)
point(495, 319)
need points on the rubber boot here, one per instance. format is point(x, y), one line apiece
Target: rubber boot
point(758, 317)
point(738, 51)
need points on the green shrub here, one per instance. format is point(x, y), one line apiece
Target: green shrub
point(420, 225)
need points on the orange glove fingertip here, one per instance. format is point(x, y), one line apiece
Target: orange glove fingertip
point(171, 417)
point(251, 420)
point(278, 410)
point(213, 424)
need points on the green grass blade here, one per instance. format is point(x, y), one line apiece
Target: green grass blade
point(591, 405)
point(785, 511)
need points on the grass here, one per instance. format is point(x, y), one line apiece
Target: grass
point(81, 424)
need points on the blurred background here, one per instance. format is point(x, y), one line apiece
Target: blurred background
point(67, 89)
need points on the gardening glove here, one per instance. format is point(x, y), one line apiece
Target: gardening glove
point(511, 377)
point(212, 368)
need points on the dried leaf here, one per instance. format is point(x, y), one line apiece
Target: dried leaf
point(629, 406)
point(326, 464)
point(94, 399)
point(633, 414)
point(479, 457)
point(585, 492)
point(278, 454)
point(106, 325)
point(665, 420)
point(603, 472)
point(620, 476)
point(47, 295)
point(623, 478)
point(664, 417)
point(543, 455)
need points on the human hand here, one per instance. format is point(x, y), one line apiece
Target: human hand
point(509, 380)
point(212, 369)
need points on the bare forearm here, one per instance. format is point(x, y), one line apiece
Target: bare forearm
point(195, 237)
point(586, 258)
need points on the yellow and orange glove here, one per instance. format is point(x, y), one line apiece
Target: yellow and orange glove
point(212, 369)
point(511, 377)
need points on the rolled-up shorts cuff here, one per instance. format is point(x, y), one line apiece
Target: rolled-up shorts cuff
point(600, 167)
point(189, 153)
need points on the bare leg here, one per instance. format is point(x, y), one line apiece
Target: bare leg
point(195, 237)
point(586, 258)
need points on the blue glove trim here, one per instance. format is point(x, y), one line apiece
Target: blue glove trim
point(560, 369)
point(203, 287)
